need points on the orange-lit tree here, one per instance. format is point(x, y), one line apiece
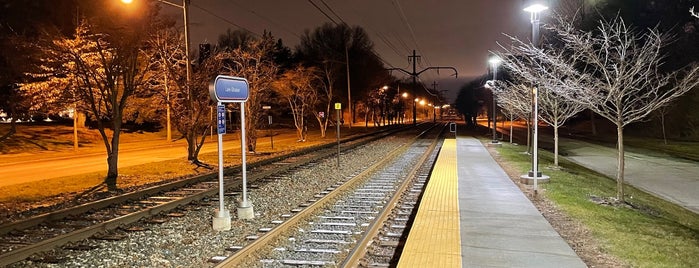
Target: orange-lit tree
point(189, 104)
point(254, 61)
point(100, 67)
point(296, 86)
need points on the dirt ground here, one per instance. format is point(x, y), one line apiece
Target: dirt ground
point(575, 234)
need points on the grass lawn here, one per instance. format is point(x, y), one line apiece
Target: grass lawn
point(650, 232)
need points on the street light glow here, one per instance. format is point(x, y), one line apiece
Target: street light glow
point(126, 1)
point(494, 60)
point(536, 8)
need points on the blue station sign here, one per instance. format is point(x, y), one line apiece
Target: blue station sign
point(221, 119)
point(229, 89)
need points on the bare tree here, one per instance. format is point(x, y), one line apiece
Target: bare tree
point(296, 87)
point(615, 71)
point(516, 99)
point(103, 71)
point(555, 109)
point(168, 59)
point(189, 104)
point(661, 113)
point(253, 61)
point(325, 95)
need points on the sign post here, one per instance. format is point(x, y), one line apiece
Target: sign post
point(338, 106)
point(269, 126)
point(222, 219)
point(228, 89)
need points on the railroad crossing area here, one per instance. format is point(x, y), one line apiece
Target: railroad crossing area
point(473, 215)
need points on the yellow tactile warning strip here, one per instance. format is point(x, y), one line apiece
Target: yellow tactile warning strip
point(435, 239)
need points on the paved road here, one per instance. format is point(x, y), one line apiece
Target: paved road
point(672, 179)
point(25, 168)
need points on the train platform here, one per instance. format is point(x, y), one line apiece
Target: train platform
point(473, 215)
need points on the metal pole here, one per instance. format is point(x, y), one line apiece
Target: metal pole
point(185, 8)
point(536, 139)
point(271, 133)
point(349, 92)
point(167, 105)
point(221, 208)
point(414, 85)
point(535, 162)
point(492, 91)
point(338, 138)
point(243, 149)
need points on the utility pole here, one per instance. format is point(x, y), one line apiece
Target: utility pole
point(434, 102)
point(415, 74)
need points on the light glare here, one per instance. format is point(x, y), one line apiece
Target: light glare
point(536, 8)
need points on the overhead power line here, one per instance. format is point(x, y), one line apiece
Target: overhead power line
point(322, 11)
point(284, 28)
point(225, 20)
point(333, 11)
point(404, 18)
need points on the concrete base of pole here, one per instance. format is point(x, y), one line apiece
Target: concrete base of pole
point(222, 220)
point(494, 144)
point(528, 179)
point(245, 211)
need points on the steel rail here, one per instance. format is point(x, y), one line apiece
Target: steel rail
point(99, 204)
point(355, 256)
point(232, 183)
point(240, 256)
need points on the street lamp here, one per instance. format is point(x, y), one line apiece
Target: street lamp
point(185, 11)
point(494, 63)
point(534, 10)
point(402, 110)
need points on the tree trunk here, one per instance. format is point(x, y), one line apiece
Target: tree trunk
point(191, 146)
point(593, 127)
point(366, 118)
point(200, 144)
point(113, 162)
point(12, 131)
point(620, 163)
point(662, 123)
point(555, 145)
point(299, 133)
point(75, 129)
point(323, 123)
point(112, 172)
point(511, 123)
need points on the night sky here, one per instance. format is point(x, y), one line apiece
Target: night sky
point(456, 33)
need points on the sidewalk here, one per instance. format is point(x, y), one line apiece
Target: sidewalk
point(662, 175)
point(670, 178)
point(500, 227)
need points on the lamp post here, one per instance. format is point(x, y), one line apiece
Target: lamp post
point(185, 11)
point(534, 10)
point(494, 63)
point(402, 116)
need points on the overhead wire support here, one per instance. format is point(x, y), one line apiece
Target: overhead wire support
point(414, 74)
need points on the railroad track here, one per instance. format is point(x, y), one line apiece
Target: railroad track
point(106, 219)
point(359, 221)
